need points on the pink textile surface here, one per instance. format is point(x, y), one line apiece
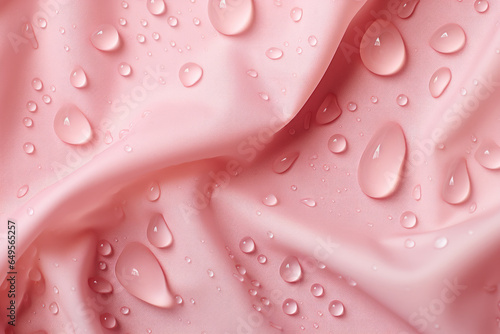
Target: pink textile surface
point(239, 166)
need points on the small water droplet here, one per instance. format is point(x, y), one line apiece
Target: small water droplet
point(54, 308)
point(144, 23)
point(153, 191)
point(190, 74)
point(473, 207)
point(336, 308)
point(42, 23)
point(156, 7)
point(156, 36)
point(78, 78)
point(481, 6)
point(264, 96)
point(247, 245)
point(290, 306)
point(252, 73)
point(290, 269)
point(22, 191)
point(230, 17)
point(125, 4)
point(196, 21)
point(463, 91)
point(439, 81)
point(141, 38)
point(124, 310)
point(262, 259)
point(158, 233)
point(337, 143)
point(270, 200)
point(37, 84)
point(456, 185)
point(31, 106)
point(284, 162)
point(408, 219)
point(374, 99)
point(409, 243)
point(108, 321)
point(417, 192)
point(317, 290)
point(449, 38)
point(488, 155)
point(308, 202)
point(440, 242)
point(124, 69)
point(296, 14)
point(100, 285)
point(106, 38)
point(30, 211)
point(328, 111)
point(102, 265)
point(351, 106)
point(402, 100)
point(173, 21)
point(270, 235)
point(29, 148)
point(71, 125)
point(406, 8)
point(313, 41)
point(46, 99)
point(122, 21)
point(274, 53)
point(179, 300)
point(210, 273)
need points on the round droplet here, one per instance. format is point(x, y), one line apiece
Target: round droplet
point(481, 6)
point(284, 162)
point(439, 81)
point(440, 242)
point(456, 185)
point(382, 48)
point(488, 155)
point(231, 17)
point(190, 74)
point(406, 8)
point(156, 7)
point(274, 53)
point(328, 111)
point(108, 321)
point(317, 290)
point(373, 99)
point(29, 148)
point(336, 308)
point(22, 191)
point(144, 23)
point(247, 245)
point(46, 99)
point(409, 243)
point(100, 285)
point(102, 265)
point(296, 14)
point(337, 143)
point(252, 73)
point(178, 300)
point(71, 125)
point(408, 219)
point(153, 191)
point(158, 233)
point(402, 100)
point(106, 38)
point(28, 122)
point(123, 22)
point(104, 248)
point(140, 273)
point(290, 306)
point(54, 308)
point(124, 310)
point(124, 69)
point(31, 106)
point(141, 38)
point(173, 21)
point(42, 23)
point(156, 36)
point(351, 106)
point(381, 165)
point(417, 192)
point(449, 38)
point(270, 200)
point(313, 41)
point(290, 269)
point(196, 21)
point(37, 84)
point(78, 78)
point(308, 202)
point(262, 259)
point(125, 4)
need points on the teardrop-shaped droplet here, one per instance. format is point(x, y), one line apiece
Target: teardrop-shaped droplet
point(408, 219)
point(481, 5)
point(139, 272)
point(290, 269)
point(22, 191)
point(308, 202)
point(153, 191)
point(336, 308)
point(29, 148)
point(382, 48)
point(104, 248)
point(190, 74)
point(100, 285)
point(108, 321)
point(54, 308)
point(337, 144)
point(274, 53)
point(439, 81)
point(78, 78)
point(317, 290)
point(106, 38)
point(158, 233)
point(329, 110)
point(230, 17)
point(270, 200)
point(381, 165)
point(290, 306)
point(417, 192)
point(247, 245)
point(456, 185)
point(406, 8)
point(449, 38)
point(37, 84)
point(71, 125)
point(124, 69)
point(284, 162)
point(488, 155)
point(156, 7)
point(296, 14)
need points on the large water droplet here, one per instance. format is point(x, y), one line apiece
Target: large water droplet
point(439, 81)
point(156, 7)
point(100, 285)
point(408, 219)
point(230, 17)
point(284, 162)
point(274, 53)
point(481, 6)
point(380, 166)
point(139, 272)
point(78, 78)
point(290, 306)
point(337, 144)
point(488, 155)
point(247, 245)
point(71, 125)
point(406, 8)
point(382, 48)
point(270, 200)
point(317, 290)
point(106, 38)
point(22, 191)
point(153, 191)
point(336, 308)
point(456, 185)
point(329, 110)
point(448, 38)
point(296, 14)
point(290, 269)
point(158, 233)
point(190, 74)
point(108, 321)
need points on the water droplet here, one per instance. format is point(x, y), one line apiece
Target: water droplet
point(337, 143)
point(37, 84)
point(144, 23)
point(284, 162)
point(71, 125)
point(230, 17)
point(328, 111)
point(158, 233)
point(22, 191)
point(473, 207)
point(196, 21)
point(141, 38)
point(274, 53)
point(296, 14)
point(440, 242)
point(290, 270)
point(173, 21)
point(252, 292)
point(262, 259)
point(123, 22)
point(488, 155)
point(336, 308)
point(317, 290)
point(373, 99)
point(108, 321)
point(190, 74)
point(139, 272)
point(408, 219)
point(30, 211)
point(382, 48)
point(380, 166)
point(409, 243)
point(270, 200)
point(106, 38)
point(100, 285)
point(29, 148)
point(313, 41)
point(439, 81)
point(290, 306)
point(28, 122)
point(104, 248)
point(124, 310)
point(178, 300)
point(351, 106)
point(241, 269)
point(247, 245)
point(47, 99)
point(252, 73)
point(417, 192)
point(78, 78)
point(449, 38)
point(481, 6)
point(54, 308)
point(456, 185)
point(406, 8)
point(31, 106)
point(156, 7)
point(153, 191)
point(125, 4)
point(42, 23)
point(308, 202)
point(402, 100)
point(102, 265)
point(264, 96)
point(156, 36)
point(124, 69)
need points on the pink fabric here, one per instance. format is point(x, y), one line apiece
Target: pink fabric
point(211, 147)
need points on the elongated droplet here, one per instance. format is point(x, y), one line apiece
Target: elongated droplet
point(406, 8)
point(71, 125)
point(488, 155)
point(417, 192)
point(153, 191)
point(336, 308)
point(456, 186)
point(290, 306)
point(382, 48)
point(270, 200)
point(308, 202)
point(439, 81)
point(139, 272)
point(106, 38)
point(290, 269)
point(22, 191)
point(449, 38)
point(328, 111)
point(337, 144)
point(274, 53)
point(108, 321)
point(230, 17)
point(54, 308)
point(78, 78)
point(380, 167)
point(296, 14)
point(158, 233)
point(156, 7)
point(100, 285)
point(190, 74)
point(29, 34)
point(247, 245)
point(284, 162)
point(408, 219)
